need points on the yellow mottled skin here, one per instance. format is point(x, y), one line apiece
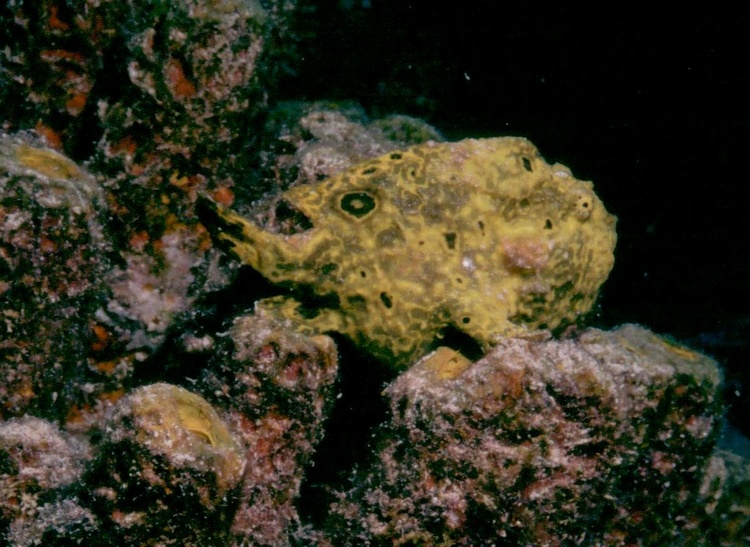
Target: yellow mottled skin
point(482, 235)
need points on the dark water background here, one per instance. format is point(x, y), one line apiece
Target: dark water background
point(652, 105)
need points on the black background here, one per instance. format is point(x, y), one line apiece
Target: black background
point(652, 105)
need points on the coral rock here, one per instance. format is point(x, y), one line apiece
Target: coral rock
point(178, 77)
point(599, 439)
point(279, 385)
point(157, 97)
point(308, 142)
point(36, 458)
point(52, 261)
point(723, 517)
point(167, 470)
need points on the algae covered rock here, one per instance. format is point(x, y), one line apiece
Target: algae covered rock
point(306, 142)
point(178, 77)
point(157, 98)
point(36, 460)
point(481, 236)
point(277, 387)
point(598, 439)
point(167, 470)
point(53, 256)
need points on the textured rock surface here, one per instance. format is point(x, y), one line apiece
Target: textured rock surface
point(181, 78)
point(169, 468)
point(36, 461)
point(279, 387)
point(602, 438)
point(167, 471)
point(53, 255)
point(308, 142)
point(480, 235)
point(157, 96)
point(722, 517)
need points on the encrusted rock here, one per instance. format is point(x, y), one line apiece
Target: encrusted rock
point(36, 460)
point(167, 469)
point(310, 141)
point(723, 515)
point(180, 79)
point(598, 439)
point(55, 520)
point(278, 386)
point(157, 97)
point(53, 255)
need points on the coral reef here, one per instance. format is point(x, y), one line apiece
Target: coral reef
point(589, 428)
point(167, 469)
point(151, 393)
point(480, 235)
point(308, 142)
point(600, 439)
point(156, 96)
point(175, 78)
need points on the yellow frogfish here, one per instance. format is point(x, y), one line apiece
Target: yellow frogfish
point(481, 235)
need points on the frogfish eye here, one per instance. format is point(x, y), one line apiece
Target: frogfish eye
point(358, 204)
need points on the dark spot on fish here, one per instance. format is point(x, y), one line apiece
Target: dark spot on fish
point(357, 301)
point(357, 204)
point(450, 239)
